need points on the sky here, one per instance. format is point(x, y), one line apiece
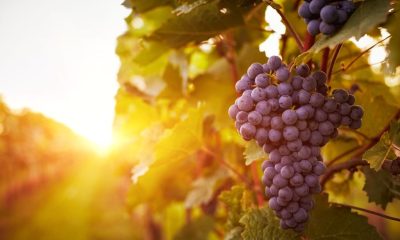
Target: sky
point(58, 57)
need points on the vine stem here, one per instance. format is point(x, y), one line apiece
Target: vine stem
point(291, 30)
point(362, 53)
point(337, 158)
point(332, 63)
point(325, 58)
point(369, 211)
point(339, 167)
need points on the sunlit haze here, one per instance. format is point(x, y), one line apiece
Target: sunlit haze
point(58, 57)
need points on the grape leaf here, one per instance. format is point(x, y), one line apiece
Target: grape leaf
point(262, 224)
point(199, 24)
point(394, 132)
point(379, 152)
point(368, 15)
point(197, 229)
point(380, 186)
point(253, 152)
point(393, 47)
point(203, 189)
point(330, 222)
point(140, 6)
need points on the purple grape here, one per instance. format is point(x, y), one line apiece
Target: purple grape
point(309, 84)
point(342, 16)
point(285, 102)
point(289, 117)
point(263, 108)
point(274, 135)
point(275, 156)
point(245, 103)
point(283, 150)
point(301, 124)
point(270, 172)
point(330, 106)
point(319, 168)
point(295, 145)
point(344, 109)
point(282, 74)
point(266, 164)
point(315, 151)
point(351, 100)
point(297, 81)
point(241, 117)
point(311, 180)
point(304, 152)
point(276, 122)
point(317, 100)
point(303, 70)
point(326, 128)
point(316, 138)
point(355, 124)
point(306, 166)
point(313, 125)
point(287, 172)
point(266, 121)
point(329, 14)
point(320, 115)
point(268, 148)
point(254, 70)
point(296, 180)
point(243, 84)
point(278, 167)
point(304, 10)
point(272, 91)
point(302, 113)
point(274, 103)
point(346, 121)
point(313, 26)
point(258, 94)
point(233, 111)
point(274, 62)
point(286, 194)
point(273, 204)
point(285, 89)
point(320, 77)
point(248, 131)
point(285, 214)
point(254, 118)
point(290, 133)
point(327, 29)
point(262, 80)
point(340, 95)
point(356, 112)
point(302, 190)
point(316, 6)
point(279, 181)
point(304, 97)
point(293, 207)
point(301, 215)
point(267, 68)
point(348, 6)
point(305, 135)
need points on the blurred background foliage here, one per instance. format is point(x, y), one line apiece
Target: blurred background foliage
point(178, 169)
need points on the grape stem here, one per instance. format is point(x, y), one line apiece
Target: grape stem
point(325, 58)
point(332, 63)
point(368, 211)
point(291, 29)
point(362, 53)
point(341, 166)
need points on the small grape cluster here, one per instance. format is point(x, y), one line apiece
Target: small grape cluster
point(325, 16)
point(291, 117)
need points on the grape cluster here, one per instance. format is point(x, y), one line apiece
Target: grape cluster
point(325, 16)
point(291, 117)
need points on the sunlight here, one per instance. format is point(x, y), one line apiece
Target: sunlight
point(271, 45)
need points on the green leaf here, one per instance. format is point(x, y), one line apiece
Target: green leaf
point(197, 229)
point(253, 152)
point(237, 201)
point(199, 24)
point(368, 15)
point(379, 152)
point(393, 47)
point(141, 6)
point(203, 189)
point(332, 222)
point(260, 224)
point(394, 132)
point(380, 186)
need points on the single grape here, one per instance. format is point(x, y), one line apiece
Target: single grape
point(326, 128)
point(285, 214)
point(266, 121)
point(329, 14)
point(313, 26)
point(344, 108)
point(282, 74)
point(330, 106)
point(270, 172)
point(263, 107)
point(301, 124)
point(258, 94)
point(317, 100)
point(285, 194)
point(309, 84)
point(241, 117)
point(293, 207)
point(301, 215)
point(304, 152)
point(320, 115)
point(316, 6)
point(285, 89)
point(289, 117)
point(272, 91)
point(275, 156)
point(296, 180)
point(245, 103)
point(304, 10)
point(233, 111)
point(304, 97)
point(302, 113)
point(254, 118)
point(287, 172)
point(273, 204)
point(254, 70)
point(340, 95)
point(266, 164)
point(278, 167)
point(285, 102)
point(243, 84)
point(302, 190)
point(290, 133)
point(320, 77)
point(351, 100)
point(348, 6)
point(248, 131)
point(268, 148)
point(313, 125)
point(356, 112)
point(262, 80)
point(305, 135)
point(274, 103)
point(316, 138)
point(277, 122)
point(274, 62)
point(315, 151)
point(295, 145)
point(327, 29)
point(319, 168)
point(283, 150)
point(303, 70)
point(279, 181)
point(311, 180)
point(267, 68)
point(297, 81)
point(342, 16)
point(274, 135)
point(346, 121)
point(305, 165)
point(291, 223)
point(355, 124)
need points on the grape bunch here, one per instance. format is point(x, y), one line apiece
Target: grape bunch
point(325, 16)
point(291, 116)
